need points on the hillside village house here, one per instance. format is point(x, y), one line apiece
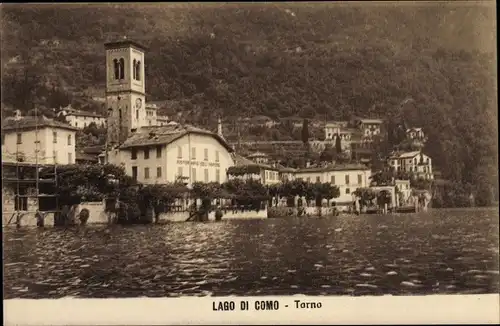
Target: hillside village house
point(369, 127)
point(334, 128)
point(162, 120)
point(259, 157)
point(152, 117)
point(264, 173)
point(416, 163)
point(347, 177)
point(41, 140)
point(81, 119)
point(415, 133)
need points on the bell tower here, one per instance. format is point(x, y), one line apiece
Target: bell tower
point(125, 90)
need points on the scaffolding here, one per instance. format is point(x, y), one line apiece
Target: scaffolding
point(22, 184)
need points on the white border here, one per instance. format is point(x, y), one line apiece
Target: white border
point(439, 309)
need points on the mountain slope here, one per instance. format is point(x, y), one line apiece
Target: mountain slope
point(310, 60)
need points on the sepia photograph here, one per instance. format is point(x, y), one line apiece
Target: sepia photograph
point(248, 157)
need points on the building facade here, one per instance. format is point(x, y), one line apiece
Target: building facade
point(81, 119)
point(170, 153)
point(347, 178)
point(125, 90)
point(370, 127)
point(264, 173)
point(415, 163)
point(41, 140)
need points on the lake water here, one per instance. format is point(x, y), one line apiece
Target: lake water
point(442, 251)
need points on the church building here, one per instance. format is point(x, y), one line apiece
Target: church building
point(154, 154)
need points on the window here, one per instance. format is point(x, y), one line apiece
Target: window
point(158, 151)
point(193, 153)
point(146, 153)
point(122, 68)
point(206, 154)
point(138, 70)
point(158, 172)
point(332, 179)
point(146, 173)
point(206, 175)
point(347, 179)
point(54, 155)
point(116, 69)
point(216, 156)
point(134, 172)
point(69, 139)
point(137, 114)
point(179, 171)
point(217, 175)
point(347, 191)
point(134, 70)
point(70, 158)
point(193, 175)
point(179, 152)
point(360, 179)
point(308, 179)
point(318, 179)
point(134, 154)
point(54, 137)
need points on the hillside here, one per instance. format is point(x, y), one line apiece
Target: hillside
point(308, 60)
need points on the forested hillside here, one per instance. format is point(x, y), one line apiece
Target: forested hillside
point(307, 60)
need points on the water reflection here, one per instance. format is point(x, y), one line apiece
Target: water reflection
point(445, 251)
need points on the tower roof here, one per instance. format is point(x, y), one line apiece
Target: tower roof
point(124, 43)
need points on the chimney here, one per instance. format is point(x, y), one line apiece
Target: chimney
point(219, 127)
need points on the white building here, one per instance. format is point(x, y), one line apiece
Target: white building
point(247, 169)
point(151, 115)
point(152, 153)
point(259, 157)
point(165, 154)
point(404, 189)
point(41, 140)
point(415, 133)
point(81, 119)
point(416, 163)
point(162, 120)
point(370, 127)
point(347, 177)
point(334, 128)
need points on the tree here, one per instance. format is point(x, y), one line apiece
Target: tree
point(76, 183)
point(328, 154)
point(338, 144)
point(305, 131)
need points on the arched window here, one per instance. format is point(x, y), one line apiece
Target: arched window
point(138, 71)
point(122, 68)
point(117, 69)
point(134, 70)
